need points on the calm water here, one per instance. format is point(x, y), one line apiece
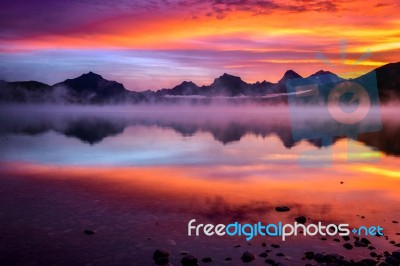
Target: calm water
point(138, 176)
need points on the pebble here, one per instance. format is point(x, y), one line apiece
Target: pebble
point(282, 209)
point(89, 232)
point(248, 256)
point(161, 253)
point(207, 260)
point(189, 260)
point(301, 219)
point(348, 246)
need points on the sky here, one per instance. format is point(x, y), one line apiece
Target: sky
point(158, 44)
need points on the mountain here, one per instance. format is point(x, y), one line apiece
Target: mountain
point(388, 81)
point(91, 88)
point(185, 88)
point(225, 85)
point(24, 91)
point(280, 87)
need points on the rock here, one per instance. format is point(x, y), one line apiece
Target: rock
point(346, 238)
point(236, 246)
point(275, 246)
point(366, 241)
point(396, 254)
point(228, 259)
point(184, 252)
point(331, 258)
point(189, 260)
point(282, 209)
point(324, 238)
point(395, 222)
point(319, 257)
point(161, 253)
point(280, 254)
point(348, 246)
point(359, 243)
point(336, 239)
point(263, 254)
point(371, 248)
point(207, 260)
point(309, 255)
point(264, 244)
point(89, 232)
point(392, 261)
point(162, 261)
point(373, 254)
point(247, 256)
point(369, 262)
point(269, 261)
point(301, 219)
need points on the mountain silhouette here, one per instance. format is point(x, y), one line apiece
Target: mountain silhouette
point(92, 88)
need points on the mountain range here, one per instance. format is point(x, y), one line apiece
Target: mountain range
point(91, 88)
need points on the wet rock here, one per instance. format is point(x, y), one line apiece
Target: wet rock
point(324, 238)
point(280, 254)
point(184, 252)
point(301, 219)
point(359, 243)
point(161, 253)
point(263, 254)
point(364, 240)
point(392, 261)
point(207, 260)
point(346, 238)
point(189, 260)
point(319, 257)
point(270, 261)
point(89, 232)
point(348, 246)
point(236, 246)
point(369, 262)
point(275, 246)
point(373, 254)
point(162, 261)
point(248, 256)
point(309, 255)
point(282, 209)
point(331, 258)
point(396, 254)
point(264, 244)
point(228, 259)
point(371, 247)
point(336, 239)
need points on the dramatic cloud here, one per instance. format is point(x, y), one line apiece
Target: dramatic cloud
point(158, 43)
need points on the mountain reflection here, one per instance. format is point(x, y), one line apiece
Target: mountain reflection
point(226, 127)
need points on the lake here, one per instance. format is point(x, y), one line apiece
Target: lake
point(137, 175)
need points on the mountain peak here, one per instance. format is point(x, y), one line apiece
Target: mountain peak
point(91, 75)
point(291, 74)
point(322, 72)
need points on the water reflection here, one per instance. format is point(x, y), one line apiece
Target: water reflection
point(225, 126)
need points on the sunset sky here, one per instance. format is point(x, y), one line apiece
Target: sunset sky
point(159, 43)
